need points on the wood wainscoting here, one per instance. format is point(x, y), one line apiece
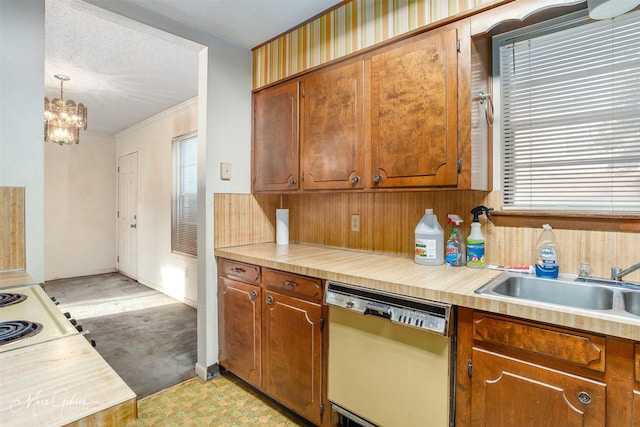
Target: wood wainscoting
point(388, 219)
point(12, 245)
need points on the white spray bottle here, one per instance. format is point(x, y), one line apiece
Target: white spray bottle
point(475, 241)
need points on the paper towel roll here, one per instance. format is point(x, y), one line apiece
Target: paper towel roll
point(282, 226)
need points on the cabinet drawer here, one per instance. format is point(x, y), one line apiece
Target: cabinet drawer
point(238, 270)
point(575, 348)
point(293, 284)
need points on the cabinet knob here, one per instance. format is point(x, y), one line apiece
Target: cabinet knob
point(292, 181)
point(253, 295)
point(238, 270)
point(584, 397)
point(377, 178)
point(269, 300)
point(355, 180)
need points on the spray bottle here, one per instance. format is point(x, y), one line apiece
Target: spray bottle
point(455, 253)
point(475, 241)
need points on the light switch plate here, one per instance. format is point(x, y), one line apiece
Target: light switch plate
point(225, 171)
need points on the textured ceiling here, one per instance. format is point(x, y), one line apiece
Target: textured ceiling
point(126, 72)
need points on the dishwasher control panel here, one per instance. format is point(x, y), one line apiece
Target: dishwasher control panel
point(413, 312)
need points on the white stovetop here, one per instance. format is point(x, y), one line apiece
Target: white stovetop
point(37, 307)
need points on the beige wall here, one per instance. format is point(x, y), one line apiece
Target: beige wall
point(80, 207)
point(388, 221)
point(159, 268)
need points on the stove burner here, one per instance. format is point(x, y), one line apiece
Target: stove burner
point(9, 299)
point(17, 329)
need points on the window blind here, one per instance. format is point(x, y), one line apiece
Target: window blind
point(570, 103)
point(184, 222)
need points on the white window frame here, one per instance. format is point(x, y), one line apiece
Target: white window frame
point(183, 231)
point(546, 27)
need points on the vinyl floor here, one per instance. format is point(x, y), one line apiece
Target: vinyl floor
point(221, 402)
point(148, 338)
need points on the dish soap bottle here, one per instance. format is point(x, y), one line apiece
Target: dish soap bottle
point(429, 241)
point(546, 254)
point(475, 241)
point(455, 250)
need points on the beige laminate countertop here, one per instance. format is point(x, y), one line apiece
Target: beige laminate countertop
point(401, 275)
point(59, 382)
point(15, 278)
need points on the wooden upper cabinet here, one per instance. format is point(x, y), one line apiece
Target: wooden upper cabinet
point(397, 116)
point(332, 127)
point(275, 138)
point(414, 112)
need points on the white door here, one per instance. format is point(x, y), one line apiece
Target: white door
point(128, 215)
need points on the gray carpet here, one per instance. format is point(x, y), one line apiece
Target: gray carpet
point(148, 338)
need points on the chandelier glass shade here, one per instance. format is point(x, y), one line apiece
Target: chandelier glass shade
point(63, 119)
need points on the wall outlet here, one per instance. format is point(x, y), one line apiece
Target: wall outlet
point(355, 222)
point(225, 171)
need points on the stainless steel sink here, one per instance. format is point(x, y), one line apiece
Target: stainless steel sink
point(632, 302)
point(620, 298)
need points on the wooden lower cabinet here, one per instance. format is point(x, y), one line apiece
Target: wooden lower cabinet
point(509, 392)
point(271, 335)
point(514, 372)
point(293, 354)
point(240, 330)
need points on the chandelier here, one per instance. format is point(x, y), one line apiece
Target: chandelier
point(63, 120)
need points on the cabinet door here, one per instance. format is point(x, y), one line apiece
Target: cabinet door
point(275, 138)
point(507, 392)
point(331, 140)
point(239, 329)
point(292, 354)
point(414, 93)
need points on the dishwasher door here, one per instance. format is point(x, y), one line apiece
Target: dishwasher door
point(386, 373)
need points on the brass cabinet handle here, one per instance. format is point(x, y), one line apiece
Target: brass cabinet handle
point(288, 284)
point(238, 270)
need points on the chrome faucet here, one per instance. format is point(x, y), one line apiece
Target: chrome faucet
point(618, 273)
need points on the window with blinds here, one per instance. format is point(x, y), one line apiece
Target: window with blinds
point(570, 116)
point(184, 217)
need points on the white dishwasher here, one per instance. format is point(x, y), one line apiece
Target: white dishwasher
point(390, 358)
